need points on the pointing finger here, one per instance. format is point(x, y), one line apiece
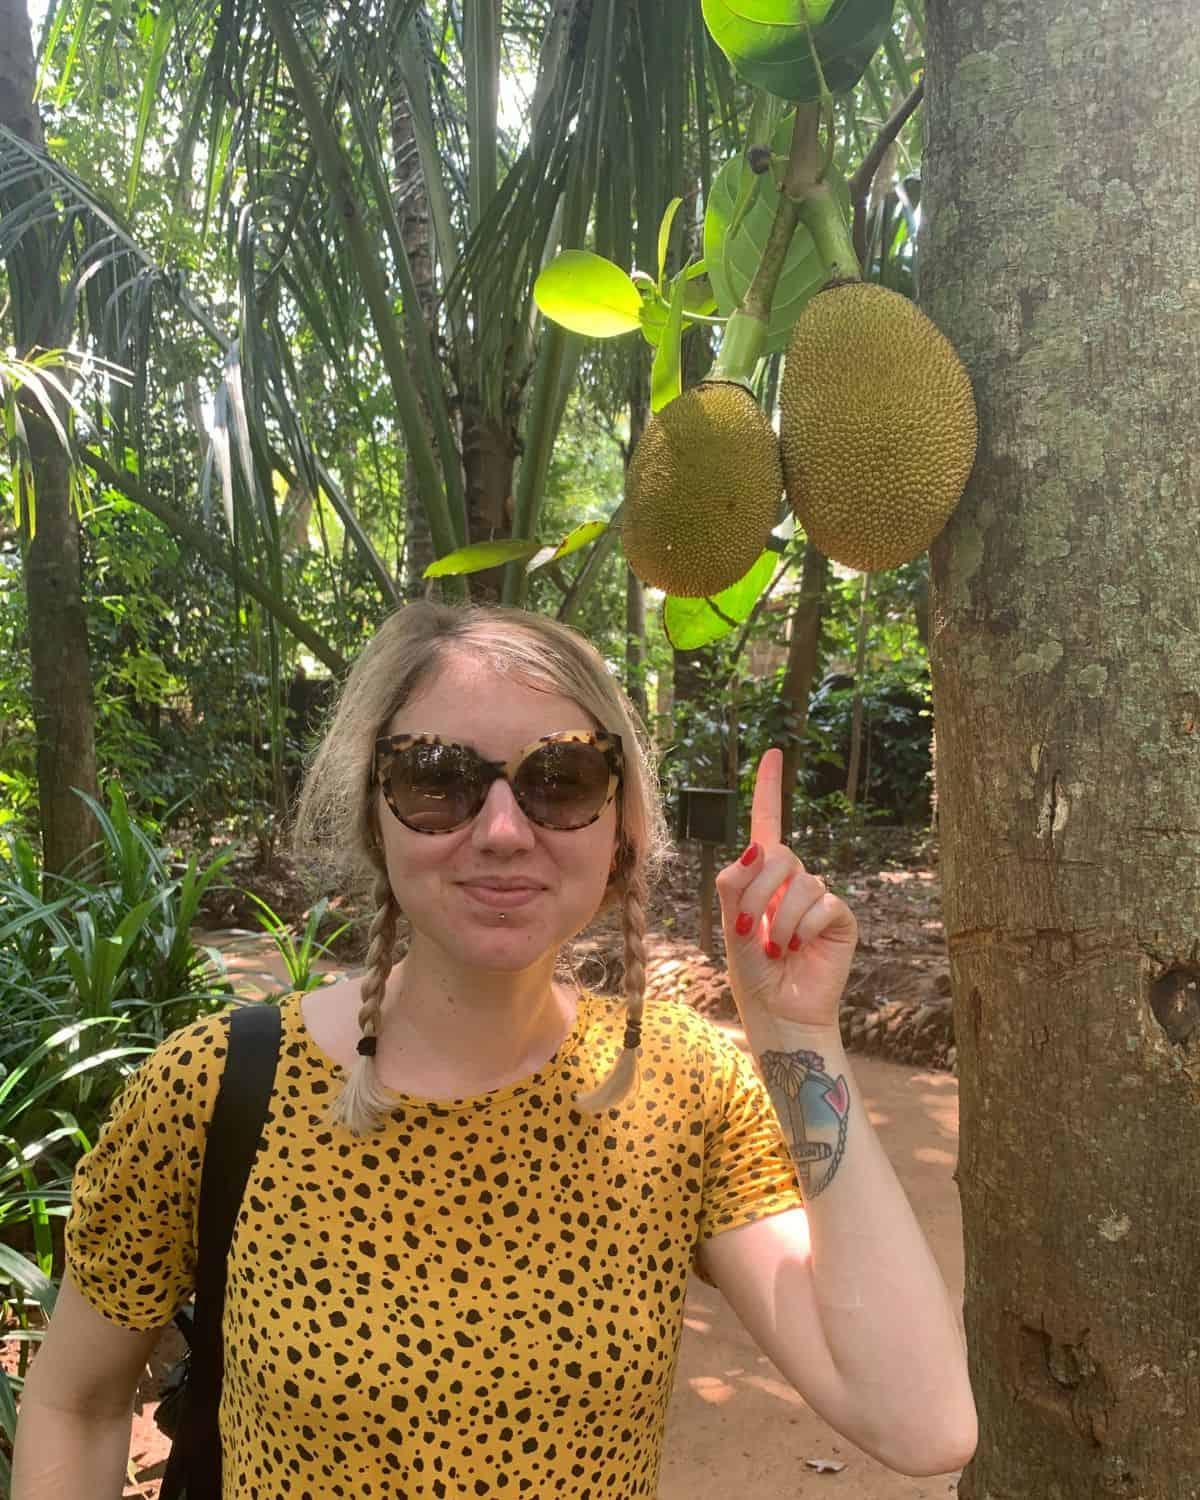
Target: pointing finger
point(766, 814)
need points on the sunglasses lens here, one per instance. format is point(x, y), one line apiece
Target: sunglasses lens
point(563, 784)
point(436, 787)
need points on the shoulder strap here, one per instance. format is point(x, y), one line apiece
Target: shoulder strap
point(233, 1137)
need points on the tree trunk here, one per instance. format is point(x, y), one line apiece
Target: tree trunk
point(60, 667)
point(1058, 254)
point(635, 597)
point(856, 713)
point(489, 455)
point(412, 211)
point(800, 672)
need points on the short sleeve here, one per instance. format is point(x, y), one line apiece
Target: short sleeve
point(131, 1231)
point(748, 1170)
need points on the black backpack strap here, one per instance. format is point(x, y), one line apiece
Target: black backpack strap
point(247, 1079)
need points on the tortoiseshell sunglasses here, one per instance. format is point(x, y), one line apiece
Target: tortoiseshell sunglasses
point(561, 781)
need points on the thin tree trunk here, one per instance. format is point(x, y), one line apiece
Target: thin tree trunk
point(58, 652)
point(635, 641)
point(489, 456)
point(800, 673)
point(1058, 254)
point(61, 671)
point(856, 714)
point(635, 597)
point(412, 211)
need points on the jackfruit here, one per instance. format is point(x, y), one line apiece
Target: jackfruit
point(878, 426)
point(702, 491)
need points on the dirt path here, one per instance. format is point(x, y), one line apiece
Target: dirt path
point(734, 1423)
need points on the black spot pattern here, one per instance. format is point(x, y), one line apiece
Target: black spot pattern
point(483, 1298)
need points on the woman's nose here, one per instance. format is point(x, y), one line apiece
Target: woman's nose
point(500, 822)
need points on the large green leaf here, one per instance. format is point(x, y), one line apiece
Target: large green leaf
point(588, 295)
point(579, 536)
point(767, 42)
point(480, 555)
point(691, 623)
point(732, 259)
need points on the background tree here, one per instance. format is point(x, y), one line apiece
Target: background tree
point(60, 675)
point(1057, 254)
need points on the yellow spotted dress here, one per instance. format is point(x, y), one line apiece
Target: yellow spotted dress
point(483, 1298)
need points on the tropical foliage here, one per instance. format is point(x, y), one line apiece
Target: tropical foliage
point(329, 306)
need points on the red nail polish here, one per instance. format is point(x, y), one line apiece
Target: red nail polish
point(744, 923)
point(750, 855)
point(773, 950)
point(795, 942)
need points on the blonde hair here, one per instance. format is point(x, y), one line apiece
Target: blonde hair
point(336, 814)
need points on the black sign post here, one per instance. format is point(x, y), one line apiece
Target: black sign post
point(708, 815)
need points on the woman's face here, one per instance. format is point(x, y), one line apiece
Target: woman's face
point(502, 891)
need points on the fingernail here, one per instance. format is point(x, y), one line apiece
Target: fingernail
point(795, 942)
point(744, 923)
point(750, 855)
point(773, 950)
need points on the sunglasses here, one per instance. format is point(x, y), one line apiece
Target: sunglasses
point(561, 781)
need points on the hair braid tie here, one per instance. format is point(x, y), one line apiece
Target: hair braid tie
point(363, 1104)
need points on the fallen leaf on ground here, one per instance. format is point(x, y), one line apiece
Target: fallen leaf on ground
point(824, 1465)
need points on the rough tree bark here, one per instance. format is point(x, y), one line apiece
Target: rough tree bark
point(1058, 254)
point(58, 644)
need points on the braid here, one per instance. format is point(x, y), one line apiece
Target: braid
point(624, 1080)
point(363, 1103)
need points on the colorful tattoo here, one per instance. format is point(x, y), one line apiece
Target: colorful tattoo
point(813, 1109)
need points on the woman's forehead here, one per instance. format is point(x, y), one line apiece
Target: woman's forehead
point(472, 699)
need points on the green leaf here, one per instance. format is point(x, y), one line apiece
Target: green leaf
point(578, 537)
point(690, 623)
point(24, 1274)
point(767, 42)
point(587, 294)
point(699, 305)
point(664, 236)
point(732, 259)
point(480, 555)
point(665, 373)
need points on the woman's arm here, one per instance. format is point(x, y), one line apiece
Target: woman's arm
point(77, 1406)
point(845, 1296)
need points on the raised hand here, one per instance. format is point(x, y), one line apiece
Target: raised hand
point(788, 941)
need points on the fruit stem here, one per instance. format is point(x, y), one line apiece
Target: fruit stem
point(822, 216)
point(742, 346)
point(816, 205)
point(746, 332)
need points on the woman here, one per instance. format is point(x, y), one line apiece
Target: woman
point(461, 1262)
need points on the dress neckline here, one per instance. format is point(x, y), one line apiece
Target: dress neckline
point(296, 1031)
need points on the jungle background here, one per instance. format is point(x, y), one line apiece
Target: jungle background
point(270, 346)
point(270, 425)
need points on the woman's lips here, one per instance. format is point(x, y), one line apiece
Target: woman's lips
point(498, 898)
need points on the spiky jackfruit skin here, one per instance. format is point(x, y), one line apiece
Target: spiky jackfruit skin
point(877, 428)
point(702, 491)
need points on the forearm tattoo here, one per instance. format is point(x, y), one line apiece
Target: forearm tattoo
point(813, 1110)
